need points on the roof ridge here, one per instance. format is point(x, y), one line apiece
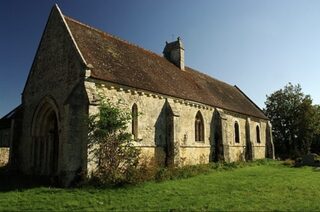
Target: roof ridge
point(112, 36)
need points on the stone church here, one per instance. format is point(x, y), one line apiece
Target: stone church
point(187, 117)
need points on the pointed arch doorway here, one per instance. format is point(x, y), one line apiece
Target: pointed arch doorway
point(45, 139)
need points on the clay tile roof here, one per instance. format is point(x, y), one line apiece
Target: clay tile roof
point(120, 62)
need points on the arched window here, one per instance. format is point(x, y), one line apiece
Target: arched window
point(236, 133)
point(134, 114)
point(258, 134)
point(199, 127)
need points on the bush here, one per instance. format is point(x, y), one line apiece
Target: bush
point(311, 159)
point(114, 154)
point(163, 173)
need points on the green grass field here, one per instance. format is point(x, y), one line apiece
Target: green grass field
point(260, 187)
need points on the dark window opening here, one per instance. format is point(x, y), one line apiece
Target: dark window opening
point(199, 127)
point(258, 134)
point(134, 114)
point(236, 133)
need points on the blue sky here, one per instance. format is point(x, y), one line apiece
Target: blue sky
point(258, 45)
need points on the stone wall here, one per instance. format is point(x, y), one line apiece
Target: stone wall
point(259, 149)
point(57, 74)
point(236, 151)
point(4, 156)
point(152, 125)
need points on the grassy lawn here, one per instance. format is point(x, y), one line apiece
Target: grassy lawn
point(264, 187)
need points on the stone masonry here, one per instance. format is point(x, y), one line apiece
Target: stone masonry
point(74, 63)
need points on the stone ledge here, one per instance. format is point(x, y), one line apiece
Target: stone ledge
point(195, 146)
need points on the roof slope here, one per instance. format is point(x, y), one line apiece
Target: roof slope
point(5, 121)
point(120, 62)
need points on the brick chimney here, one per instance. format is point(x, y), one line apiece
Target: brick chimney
point(174, 52)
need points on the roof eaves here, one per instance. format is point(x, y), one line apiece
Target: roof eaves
point(187, 99)
point(11, 113)
point(254, 104)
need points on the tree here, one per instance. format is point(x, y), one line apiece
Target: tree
point(114, 154)
point(294, 122)
point(315, 146)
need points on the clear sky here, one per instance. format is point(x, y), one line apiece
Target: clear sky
point(258, 45)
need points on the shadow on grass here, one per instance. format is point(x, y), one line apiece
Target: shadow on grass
point(11, 181)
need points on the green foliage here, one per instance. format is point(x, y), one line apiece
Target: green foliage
point(174, 173)
point(315, 146)
point(269, 186)
point(294, 119)
point(111, 145)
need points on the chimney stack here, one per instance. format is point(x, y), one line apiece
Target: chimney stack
point(174, 52)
